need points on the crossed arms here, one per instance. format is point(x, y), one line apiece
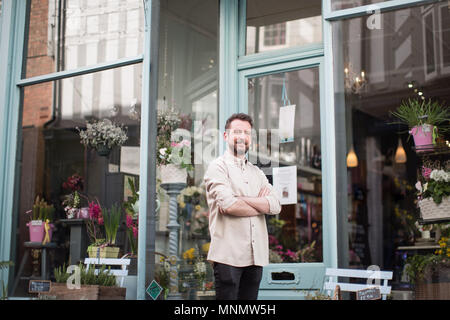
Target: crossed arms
point(249, 206)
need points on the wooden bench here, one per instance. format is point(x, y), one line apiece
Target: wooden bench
point(119, 273)
point(375, 278)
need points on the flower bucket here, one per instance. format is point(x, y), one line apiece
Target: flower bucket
point(171, 173)
point(103, 252)
point(429, 210)
point(36, 228)
point(423, 136)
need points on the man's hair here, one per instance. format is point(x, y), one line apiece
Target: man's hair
point(239, 116)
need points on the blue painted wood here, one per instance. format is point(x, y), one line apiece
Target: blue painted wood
point(11, 53)
point(368, 9)
point(80, 71)
point(144, 169)
point(228, 51)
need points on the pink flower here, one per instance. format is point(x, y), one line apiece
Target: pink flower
point(100, 220)
point(94, 211)
point(135, 231)
point(129, 222)
point(173, 144)
point(426, 172)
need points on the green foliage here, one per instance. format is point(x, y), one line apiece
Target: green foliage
point(111, 220)
point(87, 276)
point(415, 112)
point(417, 265)
point(437, 190)
point(4, 265)
point(42, 210)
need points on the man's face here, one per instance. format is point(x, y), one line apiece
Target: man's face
point(238, 137)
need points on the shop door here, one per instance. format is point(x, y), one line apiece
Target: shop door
point(285, 104)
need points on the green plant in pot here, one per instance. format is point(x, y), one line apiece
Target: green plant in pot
point(110, 220)
point(40, 226)
point(425, 120)
point(430, 273)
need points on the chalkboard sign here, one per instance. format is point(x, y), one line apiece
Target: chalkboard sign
point(368, 294)
point(37, 286)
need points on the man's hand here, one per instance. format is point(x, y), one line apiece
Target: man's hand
point(263, 192)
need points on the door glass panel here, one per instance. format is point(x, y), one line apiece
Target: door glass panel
point(277, 25)
point(295, 235)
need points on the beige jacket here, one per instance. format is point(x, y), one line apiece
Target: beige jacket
point(237, 241)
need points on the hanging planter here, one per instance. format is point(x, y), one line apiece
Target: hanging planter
point(430, 210)
point(423, 136)
point(103, 150)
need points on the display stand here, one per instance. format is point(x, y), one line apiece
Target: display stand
point(78, 240)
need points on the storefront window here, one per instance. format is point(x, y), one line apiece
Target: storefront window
point(345, 4)
point(277, 25)
point(296, 234)
point(187, 123)
point(72, 34)
point(58, 171)
point(378, 69)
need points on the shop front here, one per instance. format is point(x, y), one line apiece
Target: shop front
point(112, 111)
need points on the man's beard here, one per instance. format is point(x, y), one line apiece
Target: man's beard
point(240, 152)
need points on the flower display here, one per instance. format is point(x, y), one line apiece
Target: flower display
point(437, 186)
point(103, 133)
point(94, 223)
point(444, 247)
point(194, 210)
point(74, 183)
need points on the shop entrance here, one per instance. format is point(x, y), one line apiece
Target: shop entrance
point(286, 106)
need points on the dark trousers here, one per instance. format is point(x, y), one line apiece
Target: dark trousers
point(237, 283)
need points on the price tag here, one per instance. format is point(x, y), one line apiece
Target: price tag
point(38, 286)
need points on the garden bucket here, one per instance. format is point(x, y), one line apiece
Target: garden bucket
point(36, 228)
point(423, 136)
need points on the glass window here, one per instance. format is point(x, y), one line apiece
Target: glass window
point(187, 122)
point(72, 34)
point(295, 235)
point(345, 4)
point(58, 171)
point(378, 69)
point(273, 26)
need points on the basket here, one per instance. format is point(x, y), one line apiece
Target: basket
point(103, 252)
point(429, 210)
point(171, 173)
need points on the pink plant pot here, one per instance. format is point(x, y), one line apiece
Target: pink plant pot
point(423, 135)
point(36, 228)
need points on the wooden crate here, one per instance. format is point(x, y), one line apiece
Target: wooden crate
point(86, 292)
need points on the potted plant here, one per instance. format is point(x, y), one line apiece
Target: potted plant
point(194, 210)
point(4, 265)
point(424, 120)
point(110, 220)
point(434, 193)
point(174, 152)
point(72, 201)
point(93, 285)
point(430, 273)
point(103, 135)
point(41, 213)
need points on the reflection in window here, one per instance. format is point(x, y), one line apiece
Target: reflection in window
point(277, 25)
point(401, 61)
point(70, 34)
point(345, 4)
point(188, 89)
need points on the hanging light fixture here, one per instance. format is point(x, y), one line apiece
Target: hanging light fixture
point(352, 159)
point(400, 154)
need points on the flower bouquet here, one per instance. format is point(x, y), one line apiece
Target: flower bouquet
point(434, 193)
point(194, 210)
point(174, 148)
point(103, 135)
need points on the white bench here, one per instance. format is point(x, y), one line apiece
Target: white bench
point(376, 278)
point(119, 273)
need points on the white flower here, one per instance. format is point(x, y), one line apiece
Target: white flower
point(419, 186)
point(425, 187)
point(162, 151)
point(440, 175)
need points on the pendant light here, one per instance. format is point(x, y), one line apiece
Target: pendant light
point(352, 159)
point(400, 154)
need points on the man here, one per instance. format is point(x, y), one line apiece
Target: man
point(239, 196)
